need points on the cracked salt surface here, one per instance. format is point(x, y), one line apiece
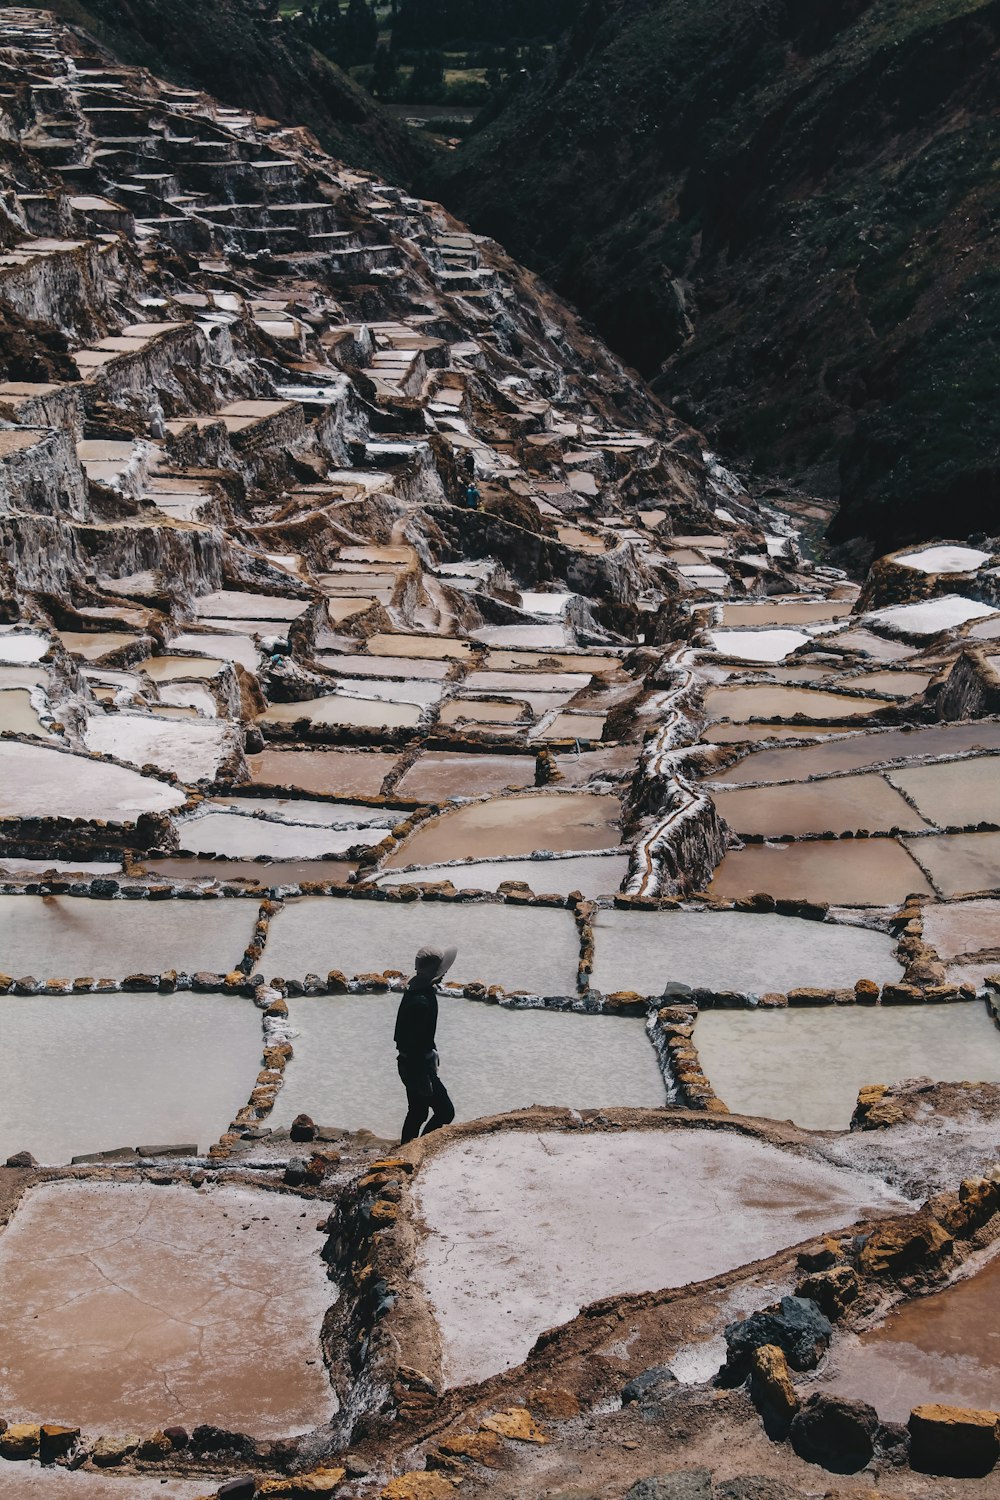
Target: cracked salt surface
point(751, 953)
point(96, 1072)
point(635, 1211)
point(128, 1307)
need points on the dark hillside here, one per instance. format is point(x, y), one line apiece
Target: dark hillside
point(783, 214)
point(230, 49)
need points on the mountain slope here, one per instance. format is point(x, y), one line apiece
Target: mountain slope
point(784, 216)
point(229, 49)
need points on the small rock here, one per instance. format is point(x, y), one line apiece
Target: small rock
point(517, 1424)
point(295, 1172)
point(21, 1159)
point(834, 1432)
point(20, 1440)
point(685, 1484)
point(648, 1386)
point(154, 1447)
point(952, 1440)
point(771, 1389)
point(483, 1448)
point(55, 1441)
point(796, 1326)
point(243, 1487)
point(321, 1481)
point(107, 1452)
point(178, 1435)
point(419, 1486)
point(302, 1129)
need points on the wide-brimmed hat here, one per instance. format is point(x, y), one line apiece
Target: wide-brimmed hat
point(434, 961)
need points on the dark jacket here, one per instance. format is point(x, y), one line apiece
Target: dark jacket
point(416, 1020)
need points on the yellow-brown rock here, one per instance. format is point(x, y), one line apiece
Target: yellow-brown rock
point(316, 1482)
point(21, 1440)
point(554, 1403)
point(475, 1447)
point(954, 1440)
point(420, 1486)
point(896, 1247)
point(517, 1424)
point(383, 1212)
point(770, 1383)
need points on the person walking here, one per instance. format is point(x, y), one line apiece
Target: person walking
point(416, 1028)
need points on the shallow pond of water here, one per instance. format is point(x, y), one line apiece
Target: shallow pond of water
point(174, 668)
point(93, 645)
point(240, 837)
point(482, 711)
point(943, 1348)
point(959, 862)
point(629, 1211)
point(257, 872)
point(439, 774)
point(350, 773)
point(957, 795)
point(96, 1072)
point(230, 604)
point(962, 927)
point(241, 648)
point(515, 825)
point(752, 734)
point(866, 872)
point(535, 950)
point(808, 1065)
point(845, 803)
point(782, 701)
point(434, 646)
point(774, 612)
point(493, 1059)
point(744, 951)
point(17, 714)
point(129, 1307)
point(571, 726)
point(359, 713)
point(55, 937)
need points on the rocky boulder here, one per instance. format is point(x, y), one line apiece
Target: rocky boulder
point(954, 1440)
point(795, 1325)
point(834, 1432)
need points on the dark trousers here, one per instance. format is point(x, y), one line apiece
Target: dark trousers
point(425, 1095)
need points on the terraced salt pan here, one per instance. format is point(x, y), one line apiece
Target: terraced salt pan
point(860, 750)
point(357, 713)
point(748, 952)
point(303, 810)
point(437, 775)
point(383, 666)
point(230, 604)
point(434, 646)
point(869, 872)
point(18, 714)
point(959, 863)
point(960, 794)
point(22, 647)
point(517, 947)
point(757, 645)
point(515, 825)
point(38, 781)
point(753, 734)
point(593, 874)
point(808, 1065)
point(191, 748)
point(96, 1072)
point(929, 616)
point(240, 837)
point(898, 684)
point(774, 612)
point(240, 648)
point(962, 927)
point(493, 1059)
point(845, 803)
point(632, 1211)
point(267, 872)
point(68, 937)
point(128, 1307)
point(944, 559)
point(944, 1348)
point(783, 701)
point(346, 773)
point(173, 668)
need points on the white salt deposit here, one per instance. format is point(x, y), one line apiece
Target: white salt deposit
point(527, 1228)
point(191, 748)
point(725, 950)
point(36, 781)
point(593, 874)
point(931, 615)
point(241, 837)
point(22, 647)
point(944, 559)
point(757, 645)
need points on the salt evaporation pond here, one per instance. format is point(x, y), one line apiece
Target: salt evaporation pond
point(18, 714)
point(962, 927)
point(959, 863)
point(267, 872)
point(190, 748)
point(493, 1059)
point(241, 837)
point(782, 702)
point(54, 937)
point(346, 773)
point(521, 948)
point(955, 795)
point(857, 751)
point(632, 1211)
point(845, 803)
point(943, 1348)
point(808, 1065)
point(749, 952)
point(793, 612)
point(593, 874)
point(128, 1307)
point(439, 774)
point(867, 872)
point(40, 781)
point(345, 712)
point(33, 1481)
point(515, 825)
point(757, 645)
point(96, 1072)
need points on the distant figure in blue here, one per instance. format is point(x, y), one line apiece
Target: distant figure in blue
point(471, 497)
point(416, 1027)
